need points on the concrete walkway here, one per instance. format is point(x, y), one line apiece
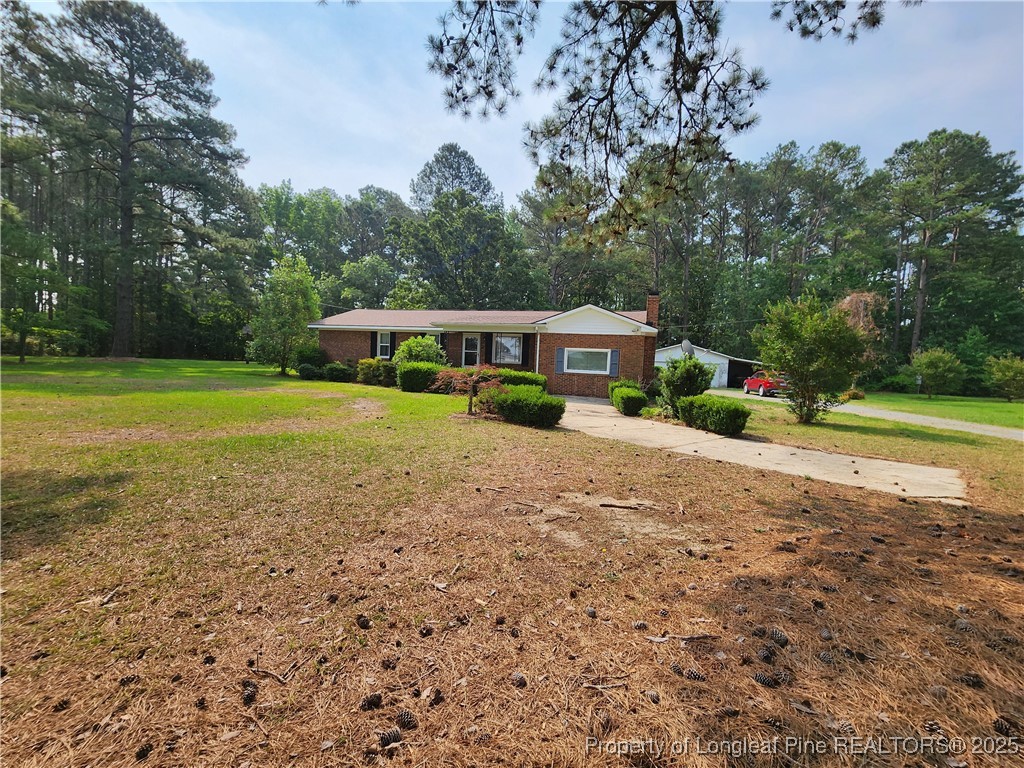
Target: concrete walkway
point(598, 418)
point(907, 418)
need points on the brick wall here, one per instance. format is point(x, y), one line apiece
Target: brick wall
point(354, 345)
point(454, 348)
point(345, 345)
point(636, 361)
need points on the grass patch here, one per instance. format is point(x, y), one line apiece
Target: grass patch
point(977, 410)
point(173, 529)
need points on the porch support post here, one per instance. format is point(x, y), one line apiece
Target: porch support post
point(536, 362)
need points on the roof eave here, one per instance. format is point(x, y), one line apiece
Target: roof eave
point(377, 327)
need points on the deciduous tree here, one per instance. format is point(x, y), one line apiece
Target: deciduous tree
point(287, 306)
point(941, 371)
point(816, 348)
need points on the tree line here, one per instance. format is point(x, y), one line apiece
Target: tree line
point(128, 232)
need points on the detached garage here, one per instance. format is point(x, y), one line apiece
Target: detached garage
point(729, 371)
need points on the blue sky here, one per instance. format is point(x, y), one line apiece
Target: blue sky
point(339, 95)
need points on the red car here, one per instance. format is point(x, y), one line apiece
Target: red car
point(765, 384)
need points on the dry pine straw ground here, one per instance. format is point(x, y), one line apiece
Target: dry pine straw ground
point(213, 618)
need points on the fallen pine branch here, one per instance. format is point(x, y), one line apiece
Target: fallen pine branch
point(268, 673)
point(683, 638)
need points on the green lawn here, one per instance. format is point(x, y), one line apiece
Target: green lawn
point(979, 410)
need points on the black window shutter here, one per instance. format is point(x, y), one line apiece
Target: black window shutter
point(442, 341)
point(487, 341)
point(560, 360)
point(613, 364)
point(373, 343)
point(391, 347)
point(525, 348)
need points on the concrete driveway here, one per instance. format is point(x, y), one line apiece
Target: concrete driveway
point(989, 430)
point(600, 419)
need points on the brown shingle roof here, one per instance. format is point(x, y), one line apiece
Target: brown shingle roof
point(426, 318)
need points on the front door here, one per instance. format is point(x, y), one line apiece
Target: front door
point(470, 349)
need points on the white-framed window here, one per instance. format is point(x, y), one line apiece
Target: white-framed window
point(508, 349)
point(384, 344)
point(588, 361)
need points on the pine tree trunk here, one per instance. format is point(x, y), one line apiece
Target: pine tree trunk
point(898, 296)
point(922, 294)
point(124, 313)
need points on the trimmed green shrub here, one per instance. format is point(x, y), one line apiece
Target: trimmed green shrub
point(339, 372)
point(309, 354)
point(376, 372)
point(720, 415)
point(529, 405)
point(684, 377)
point(417, 376)
point(627, 383)
point(419, 349)
point(368, 371)
point(629, 401)
point(310, 372)
point(512, 378)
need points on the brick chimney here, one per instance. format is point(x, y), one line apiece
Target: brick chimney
point(653, 301)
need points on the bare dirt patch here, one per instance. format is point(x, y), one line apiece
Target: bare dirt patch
point(369, 406)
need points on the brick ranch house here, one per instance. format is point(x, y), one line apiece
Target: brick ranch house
point(579, 350)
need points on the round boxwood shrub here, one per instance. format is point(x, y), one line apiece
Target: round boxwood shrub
point(380, 373)
point(621, 383)
point(629, 401)
point(417, 377)
point(339, 372)
point(529, 405)
point(511, 378)
point(310, 372)
point(720, 415)
point(368, 371)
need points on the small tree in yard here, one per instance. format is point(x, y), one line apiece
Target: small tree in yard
point(941, 372)
point(816, 347)
point(420, 349)
point(288, 304)
point(467, 381)
point(1007, 374)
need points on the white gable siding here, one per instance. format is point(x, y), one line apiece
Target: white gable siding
point(720, 361)
point(591, 321)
